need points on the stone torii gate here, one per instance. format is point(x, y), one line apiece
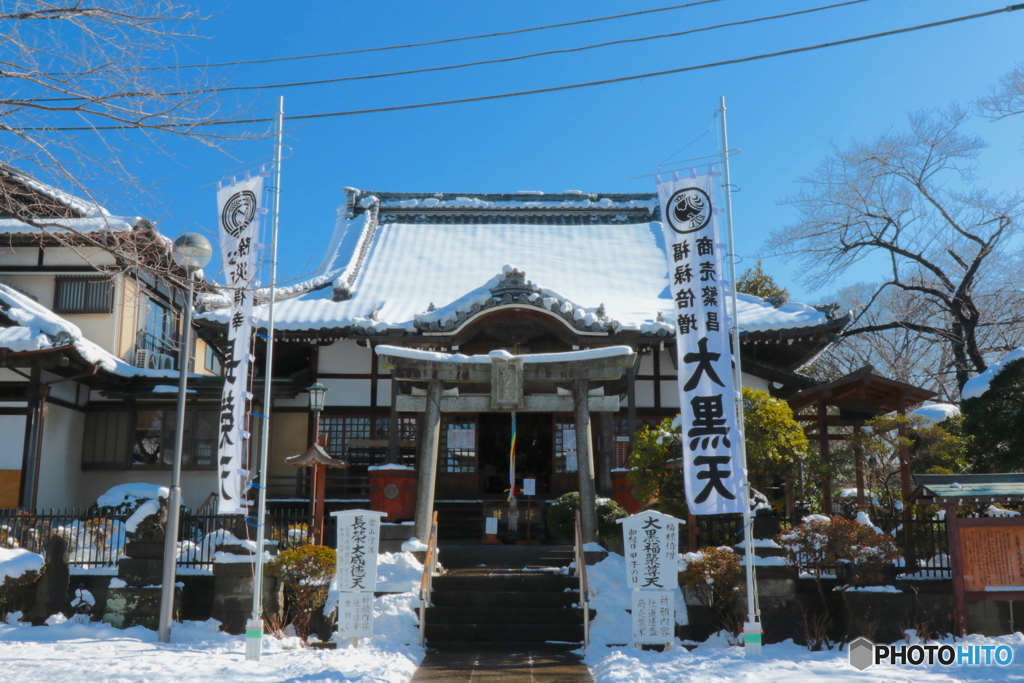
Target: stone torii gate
point(506, 375)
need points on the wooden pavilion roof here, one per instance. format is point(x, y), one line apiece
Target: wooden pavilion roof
point(862, 392)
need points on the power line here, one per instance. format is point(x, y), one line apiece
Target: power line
point(557, 88)
point(423, 44)
point(235, 88)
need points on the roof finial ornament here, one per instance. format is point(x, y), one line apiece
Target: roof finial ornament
point(374, 312)
point(601, 312)
point(430, 307)
point(660, 317)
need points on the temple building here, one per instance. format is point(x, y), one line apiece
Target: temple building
point(454, 286)
point(465, 275)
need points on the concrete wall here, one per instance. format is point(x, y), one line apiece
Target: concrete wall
point(344, 356)
point(60, 464)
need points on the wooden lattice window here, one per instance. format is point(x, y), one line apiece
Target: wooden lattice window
point(83, 294)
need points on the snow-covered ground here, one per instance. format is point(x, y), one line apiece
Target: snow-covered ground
point(789, 663)
point(86, 652)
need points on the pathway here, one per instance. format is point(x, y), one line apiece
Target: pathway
point(529, 663)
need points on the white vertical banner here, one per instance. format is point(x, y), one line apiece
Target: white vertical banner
point(712, 466)
point(238, 211)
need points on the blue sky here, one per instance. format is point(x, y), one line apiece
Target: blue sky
point(784, 113)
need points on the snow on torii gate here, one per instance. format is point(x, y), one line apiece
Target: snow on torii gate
point(506, 374)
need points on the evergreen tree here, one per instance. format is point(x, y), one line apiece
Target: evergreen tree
point(759, 283)
point(996, 421)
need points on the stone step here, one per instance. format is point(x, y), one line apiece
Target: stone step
point(486, 599)
point(457, 556)
point(504, 615)
point(438, 634)
point(518, 582)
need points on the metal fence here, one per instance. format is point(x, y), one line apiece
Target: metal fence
point(97, 541)
point(924, 551)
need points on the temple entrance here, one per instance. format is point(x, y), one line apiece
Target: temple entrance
point(534, 450)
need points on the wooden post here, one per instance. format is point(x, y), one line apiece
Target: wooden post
point(585, 461)
point(631, 399)
point(33, 449)
point(393, 456)
point(909, 556)
point(693, 532)
point(956, 565)
point(823, 449)
point(858, 459)
point(428, 460)
point(319, 493)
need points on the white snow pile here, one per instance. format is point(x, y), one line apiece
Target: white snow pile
point(934, 413)
point(398, 572)
point(862, 518)
point(131, 493)
point(15, 562)
point(414, 545)
point(996, 511)
point(610, 599)
point(977, 386)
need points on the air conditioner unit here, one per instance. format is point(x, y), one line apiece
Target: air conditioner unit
point(161, 361)
point(143, 358)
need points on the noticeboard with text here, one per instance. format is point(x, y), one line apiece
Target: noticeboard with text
point(992, 557)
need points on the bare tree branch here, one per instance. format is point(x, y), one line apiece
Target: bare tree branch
point(907, 195)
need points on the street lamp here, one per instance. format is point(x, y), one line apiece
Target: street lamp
point(191, 252)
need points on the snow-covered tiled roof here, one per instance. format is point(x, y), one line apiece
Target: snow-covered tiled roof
point(429, 262)
point(37, 327)
point(85, 215)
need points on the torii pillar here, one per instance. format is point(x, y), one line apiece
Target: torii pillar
point(507, 376)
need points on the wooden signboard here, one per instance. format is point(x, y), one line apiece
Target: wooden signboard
point(993, 557)
point(654, 619)
point(651, 541)
point(987, 558)
point(355, 615)
point(358, 539)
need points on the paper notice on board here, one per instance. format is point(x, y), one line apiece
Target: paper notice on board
point(491, 525)
point(529, 487)
point(571, 465)
point(569, 439)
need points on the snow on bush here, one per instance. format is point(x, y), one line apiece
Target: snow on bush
point(15, 562)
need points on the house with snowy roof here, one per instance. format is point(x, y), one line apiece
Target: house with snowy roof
point(89, 349)
point(466, 275)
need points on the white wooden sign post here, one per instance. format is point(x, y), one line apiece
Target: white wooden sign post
point(355, 574)
point(651, 541)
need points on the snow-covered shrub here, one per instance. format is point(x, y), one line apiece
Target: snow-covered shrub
point(712, 576)
point(19, 570)
point(819, 543)
point(306, 573)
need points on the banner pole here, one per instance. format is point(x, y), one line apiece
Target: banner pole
point(752, 627)
point(254, 628)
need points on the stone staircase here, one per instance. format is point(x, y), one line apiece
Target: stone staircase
point(521, 596)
